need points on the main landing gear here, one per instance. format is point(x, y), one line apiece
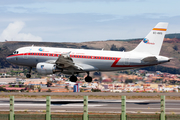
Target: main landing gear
point(73, 78)
point(28, 75)
point(87, 79)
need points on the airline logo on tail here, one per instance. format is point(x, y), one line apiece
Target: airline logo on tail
point(145, 40)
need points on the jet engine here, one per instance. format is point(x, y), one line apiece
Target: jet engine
point(47, 68)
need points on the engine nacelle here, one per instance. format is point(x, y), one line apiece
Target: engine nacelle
point(47, 68)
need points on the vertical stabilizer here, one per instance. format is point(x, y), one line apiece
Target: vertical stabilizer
point(152, 43)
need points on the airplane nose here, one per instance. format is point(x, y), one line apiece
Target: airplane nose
point(8, 59)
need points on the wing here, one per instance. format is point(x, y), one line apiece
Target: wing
point(86, 67)
point(66, 62)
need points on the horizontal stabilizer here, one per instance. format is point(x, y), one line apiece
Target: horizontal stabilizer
point(149, 59)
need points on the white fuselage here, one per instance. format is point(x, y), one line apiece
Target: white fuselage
point(100, 59)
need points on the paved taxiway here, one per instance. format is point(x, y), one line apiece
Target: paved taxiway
point(102, 106)
point(92, 94)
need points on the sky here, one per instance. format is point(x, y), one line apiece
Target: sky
point(84, 20)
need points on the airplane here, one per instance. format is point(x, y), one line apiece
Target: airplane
point(50, 60)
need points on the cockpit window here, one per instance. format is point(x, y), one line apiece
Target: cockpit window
point(15, 52)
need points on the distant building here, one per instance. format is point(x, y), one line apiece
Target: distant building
point(107, 80)
point(4, 75)
point(3, 83)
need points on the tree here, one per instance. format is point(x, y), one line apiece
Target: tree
point(32, 87)
point(2, 89)
point(49, 90)
point(95, 90)
point(84, 47)
point(66, 87)
point(128, 81)
point(175, 47)
point(122, 49)
point(49, 83)
point(113, 48)
point(39, 89)
point(22, 90)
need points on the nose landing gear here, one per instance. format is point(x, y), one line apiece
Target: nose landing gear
point(28, 75)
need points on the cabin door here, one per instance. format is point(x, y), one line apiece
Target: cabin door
point(126, 59)
point(26, 51)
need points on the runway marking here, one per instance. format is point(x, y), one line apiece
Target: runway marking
point(147, 108)
point(58, 105)
point(75, 105)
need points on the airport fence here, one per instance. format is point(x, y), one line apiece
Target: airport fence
point(86, 116)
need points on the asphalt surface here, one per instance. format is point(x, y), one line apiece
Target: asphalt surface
point(92, 94)
point(98, 106)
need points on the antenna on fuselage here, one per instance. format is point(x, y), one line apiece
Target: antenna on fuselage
point(33, 45)
point(102, 49)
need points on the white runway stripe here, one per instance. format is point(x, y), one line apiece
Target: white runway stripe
point(66, 105)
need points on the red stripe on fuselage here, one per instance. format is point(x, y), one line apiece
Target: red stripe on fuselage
point(72, 56)
point(82, 56)
point(116, 61)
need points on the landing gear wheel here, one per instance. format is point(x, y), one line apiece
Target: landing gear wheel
point(88, 79)
point(73, 78)
point(28, 75)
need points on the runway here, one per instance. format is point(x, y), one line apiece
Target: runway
point(89, 94)
point(95, 106)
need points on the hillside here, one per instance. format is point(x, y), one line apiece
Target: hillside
point(170, 48)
